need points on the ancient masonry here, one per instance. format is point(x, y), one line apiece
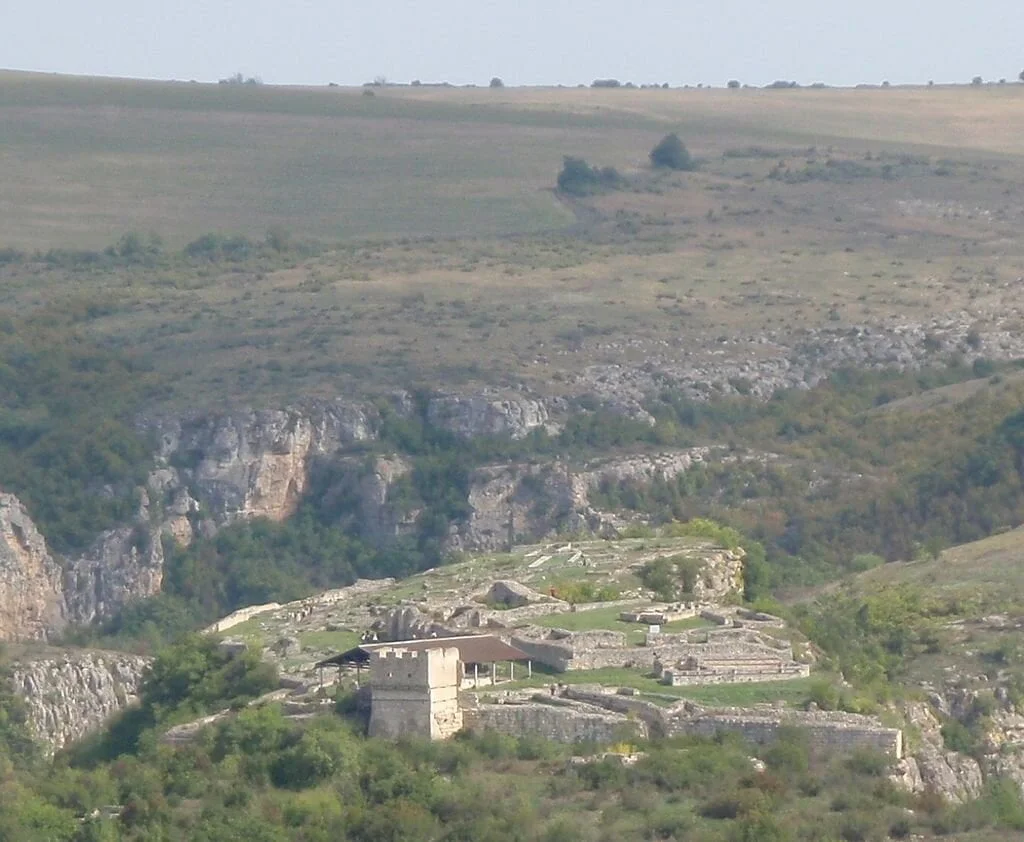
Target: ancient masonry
point(415, 693)
point(595, 714)
point(713, 656)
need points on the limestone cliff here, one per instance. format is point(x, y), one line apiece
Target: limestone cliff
point(485, 415)
point(933, 768)
point(31, 591)
point(540, 500)
point(250, 463)
point(71, 694)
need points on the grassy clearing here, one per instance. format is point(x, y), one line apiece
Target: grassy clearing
point(338, 641)
point(589, 620)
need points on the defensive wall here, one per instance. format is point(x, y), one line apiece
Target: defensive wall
point(564, 724)
point(826, 731)
point(594, 714)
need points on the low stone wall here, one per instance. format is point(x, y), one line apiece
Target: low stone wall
point(553, 722)
point(824, 732)
point(689, 678)
point(240, 616)
point(556, 655)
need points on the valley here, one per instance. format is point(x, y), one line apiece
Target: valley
point(732, 455)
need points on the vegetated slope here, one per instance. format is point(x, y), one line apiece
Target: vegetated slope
point(780, 244)
point(259, 775)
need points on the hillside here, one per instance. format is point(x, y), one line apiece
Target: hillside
point(731, 454)
point(814, 216)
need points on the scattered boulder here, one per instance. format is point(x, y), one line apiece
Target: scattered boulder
point(511, 594)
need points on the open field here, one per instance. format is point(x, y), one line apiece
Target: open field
point(86, 159)
point(812, 210)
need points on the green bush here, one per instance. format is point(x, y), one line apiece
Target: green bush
point(578, 178)
point(670, 153)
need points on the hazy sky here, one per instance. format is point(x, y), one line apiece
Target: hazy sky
point(523, 41)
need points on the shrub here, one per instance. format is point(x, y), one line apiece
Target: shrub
point(578, 178)
point(497, 83)
point(606, 83)
point(865, 561)
point(733, 84)
point(670, 153)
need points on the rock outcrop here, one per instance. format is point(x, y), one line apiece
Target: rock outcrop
point(482, 415)
point(932, 767)
point(535, 501)
point(72, 694)
point(31, 591)
point(249, 463)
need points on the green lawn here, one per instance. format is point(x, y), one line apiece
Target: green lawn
point(340, 641)
point(589, 620)
point(608, 618)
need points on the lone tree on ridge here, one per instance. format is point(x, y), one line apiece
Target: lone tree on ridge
point(670, 153)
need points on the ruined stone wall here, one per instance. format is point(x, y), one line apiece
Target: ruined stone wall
point(554, 722)
point(824, 732)
point(782, 672)
point(556, 655)
point(242, 615)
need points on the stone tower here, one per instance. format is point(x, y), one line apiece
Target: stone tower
point(415, 693)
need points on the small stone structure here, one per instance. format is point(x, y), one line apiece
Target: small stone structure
point(733, 668)
point(662, 615)
point(415, 693)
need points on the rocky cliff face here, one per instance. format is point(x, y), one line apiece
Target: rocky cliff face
point(70, 695)
point(482, 415)
point(932, 767)
point(252, 464)
point(539, 500)
point(31, 590)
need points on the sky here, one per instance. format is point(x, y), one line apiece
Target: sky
point(525, 42)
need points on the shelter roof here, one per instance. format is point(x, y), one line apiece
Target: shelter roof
point(473, 649)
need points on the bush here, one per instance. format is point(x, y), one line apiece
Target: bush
point(578, 178)
point(670, 153)
point(733, 84)
point(497, 83)
point(606, 83)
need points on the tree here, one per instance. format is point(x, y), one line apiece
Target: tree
point(1021, 76)
point(578, 178)
point(497, 83)
point(733, 83)
point(670, 153)
point(977, 80)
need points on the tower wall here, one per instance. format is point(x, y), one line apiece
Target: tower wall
point(415, 693)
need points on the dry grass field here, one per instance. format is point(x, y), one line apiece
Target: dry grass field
point(456, 263)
